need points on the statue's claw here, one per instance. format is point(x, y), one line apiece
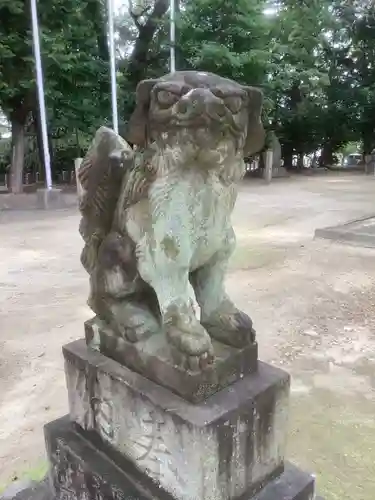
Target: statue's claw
point(133, 322)
point(199, 363)
point(230, 326)
point(191, 345)
point(135, 333)
point(193, 363)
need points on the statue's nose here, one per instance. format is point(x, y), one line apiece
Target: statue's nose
point(201, 101)
point(215, 107)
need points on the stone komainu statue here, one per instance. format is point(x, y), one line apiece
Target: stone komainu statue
point(156, 221)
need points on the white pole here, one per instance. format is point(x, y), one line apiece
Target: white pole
point(113, 66)
point(40, 87)
point(172, 12)
point(268, 165)
point(77, 164)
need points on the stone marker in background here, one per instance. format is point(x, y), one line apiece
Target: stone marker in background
point(274, 145)
point(359, 232)
point(77, 164)
point(271, 160)
point(164, 404)
point(50, 199)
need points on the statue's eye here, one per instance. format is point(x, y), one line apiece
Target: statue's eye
point(166, 98)
point(233, 103)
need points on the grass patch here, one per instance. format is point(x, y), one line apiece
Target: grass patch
point(35, 472)
point(334, 437)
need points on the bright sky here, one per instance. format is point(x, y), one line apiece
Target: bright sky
point(118, 4)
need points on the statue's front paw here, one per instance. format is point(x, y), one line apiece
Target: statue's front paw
point(230, 326)
point(191, 345)
point(133, 322)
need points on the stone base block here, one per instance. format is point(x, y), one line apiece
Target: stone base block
point(50, 199)
point(227, 446)
point(359, 232)
point(151, 357)
point(79, 469)
point(278, 172)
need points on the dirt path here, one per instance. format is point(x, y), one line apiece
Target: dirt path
point(312, 303)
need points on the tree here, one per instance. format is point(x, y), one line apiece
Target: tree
point(225, 37)
point(142, 47)
point(75, 60)
point(315, 61)
point(147, 21)
point(17, 88)
point(76, 65)
point(321, 79)
point(361, 66)
point(297, 76)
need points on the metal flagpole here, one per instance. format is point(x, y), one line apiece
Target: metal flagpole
point(40, 87)
point(113, 66)
point(172, 12)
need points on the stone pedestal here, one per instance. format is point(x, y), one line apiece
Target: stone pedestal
point(82, 468)
point(50, 199)
point(268, 162)
point(152, 358)
point(128, 437)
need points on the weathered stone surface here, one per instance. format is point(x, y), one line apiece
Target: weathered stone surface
point(359, 232)
point(80, 469)
point(229, 445)
point(292, 485)
point(151, 358)
point(156, 220)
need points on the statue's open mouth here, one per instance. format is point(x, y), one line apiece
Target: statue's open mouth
point(198, 137)
point(203, 127)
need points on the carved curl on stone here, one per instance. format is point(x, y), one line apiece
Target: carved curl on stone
point(156, 222)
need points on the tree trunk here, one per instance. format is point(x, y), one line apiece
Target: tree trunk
point(367, 144)
point(99, 18)
point(18, 157)
point(96, 12)
point(139, 57)
point(39, 142)
point(179, 59)
point(300, 161)
point(287, 154)
point(327, 155)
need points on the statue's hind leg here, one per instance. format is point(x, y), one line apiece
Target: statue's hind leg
point(118, 295)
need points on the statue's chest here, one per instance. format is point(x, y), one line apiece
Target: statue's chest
point(211, 206)
point(193, 211)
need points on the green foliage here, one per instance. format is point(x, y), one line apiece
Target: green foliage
point(314, 60)
point(225, 37)
point(299, 56)
point(75, 65)
point(16, 66)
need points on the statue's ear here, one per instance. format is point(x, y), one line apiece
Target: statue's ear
point(138, 123)
point(255, 131)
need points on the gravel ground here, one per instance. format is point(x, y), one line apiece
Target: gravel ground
point(312, 302)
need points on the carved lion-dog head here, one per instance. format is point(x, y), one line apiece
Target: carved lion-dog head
point(200, 108)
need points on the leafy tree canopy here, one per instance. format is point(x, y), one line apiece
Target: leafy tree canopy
point(314, 60)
